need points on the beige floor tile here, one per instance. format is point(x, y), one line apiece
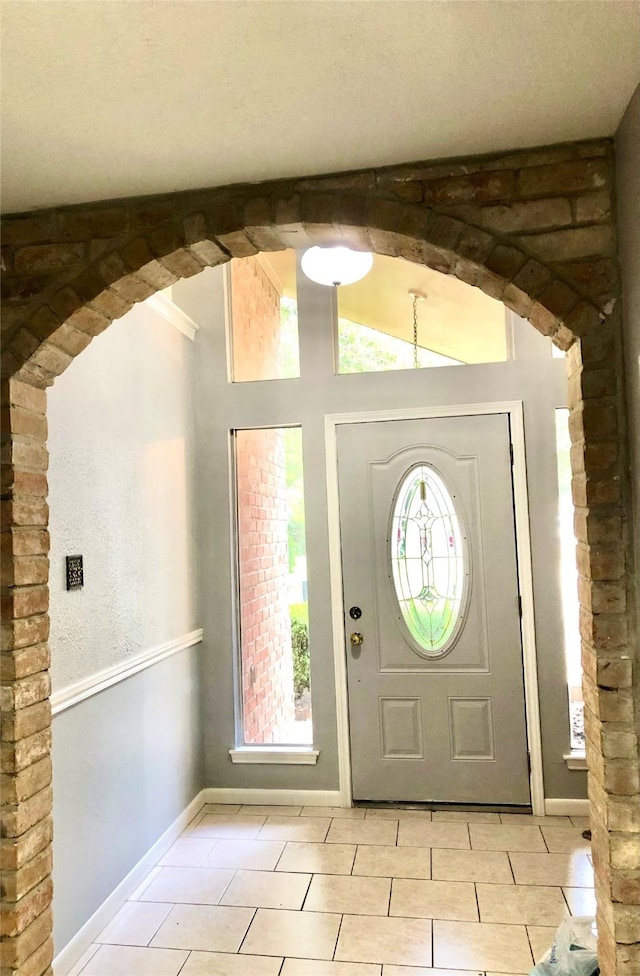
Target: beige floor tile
point(216, 825)
point(503, 837)
point(393, 862)
point(348, 895)
point(317, 858)
point(341, 813)
point(388, 813)
point(566, 870)
point(226, 809)
point(524, 905)
point(135, 924)
point(195, 886)
point(83, 960)
point(434, 899)
point(423, 971)
point(565, 840)
point(304, 935)
point(209, 928)
point(528, 818)
point(540, 937)
point(228, 964)
point(266, 889)
point(481, 946)
point(313, 829)
point(489, 866)
point(403, 941)
point(436, 834)
point(320, 967)
point(584, 823)
point(142, 887)
point(271, 810)
point(111, 960)
point(256, 855)
point(187, 852)
point(363, 832)
point(581, 901)
point(462, 816)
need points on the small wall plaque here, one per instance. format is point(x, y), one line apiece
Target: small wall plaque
point(75, 573)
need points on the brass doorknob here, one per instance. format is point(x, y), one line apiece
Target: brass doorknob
point(356, 639)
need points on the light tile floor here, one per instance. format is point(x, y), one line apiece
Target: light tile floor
point(312, 891)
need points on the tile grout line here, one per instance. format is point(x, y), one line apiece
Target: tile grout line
point(312, 875)
point(171, 907)
point(335, 946)
point(242, 940)
point(189, 951)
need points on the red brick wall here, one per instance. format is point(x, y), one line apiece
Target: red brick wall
point(255, 313)
point(267, 669)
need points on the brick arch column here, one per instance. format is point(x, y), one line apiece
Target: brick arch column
point(533, 229)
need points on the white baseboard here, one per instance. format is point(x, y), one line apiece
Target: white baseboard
point(308, 798)
point(566, 808)
point(68, 956)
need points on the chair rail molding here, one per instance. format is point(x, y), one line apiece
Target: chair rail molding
point(95, 683)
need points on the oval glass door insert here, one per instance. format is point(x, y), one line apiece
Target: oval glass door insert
point(429, 559)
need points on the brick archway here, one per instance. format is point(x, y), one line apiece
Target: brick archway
point(533, 229)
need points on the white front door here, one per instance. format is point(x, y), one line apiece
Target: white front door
point(435, 688)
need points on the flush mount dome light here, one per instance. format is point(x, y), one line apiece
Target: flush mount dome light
point(336, 265)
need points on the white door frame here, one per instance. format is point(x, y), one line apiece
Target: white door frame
point(514, 409)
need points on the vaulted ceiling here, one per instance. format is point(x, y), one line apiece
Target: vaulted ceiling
point(107, 98)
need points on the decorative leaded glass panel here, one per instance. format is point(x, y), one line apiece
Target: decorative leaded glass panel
point(428, 559)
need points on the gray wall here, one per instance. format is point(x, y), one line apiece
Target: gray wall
point(128, 759)
point(533, 376)
point(126, 763)
point(628, 192)
point(120, 493)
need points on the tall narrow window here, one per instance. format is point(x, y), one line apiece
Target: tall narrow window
point(272, 585)
point(569, 581)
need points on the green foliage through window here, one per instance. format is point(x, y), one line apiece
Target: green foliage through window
point(300, 651)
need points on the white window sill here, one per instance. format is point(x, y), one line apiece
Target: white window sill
point(576, 760)
point(278, 755)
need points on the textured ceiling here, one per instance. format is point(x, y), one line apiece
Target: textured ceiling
point(103, 98)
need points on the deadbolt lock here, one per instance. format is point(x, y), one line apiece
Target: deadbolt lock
point(356, 639)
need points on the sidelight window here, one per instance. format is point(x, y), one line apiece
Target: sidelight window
point(273, 618)
point(569, 581)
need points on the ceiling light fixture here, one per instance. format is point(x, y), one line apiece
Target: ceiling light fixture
point(336, 265)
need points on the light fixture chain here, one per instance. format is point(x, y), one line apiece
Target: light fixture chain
point(416, 364)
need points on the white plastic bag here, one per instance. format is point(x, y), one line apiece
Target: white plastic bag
point(573, 950)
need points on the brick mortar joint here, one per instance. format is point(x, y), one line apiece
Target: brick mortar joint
point(500, 240)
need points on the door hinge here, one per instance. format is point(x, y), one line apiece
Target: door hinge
point(529, 762)
point(511, 452)
point(519, 606)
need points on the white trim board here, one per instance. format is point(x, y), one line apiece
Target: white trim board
point(514, 409)
point(308, 798)
point(566, 808)
point(274, 755)
point(173, 315)
point(95, 683)
point(74, 949)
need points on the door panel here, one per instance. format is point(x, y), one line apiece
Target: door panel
point(433, 719)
